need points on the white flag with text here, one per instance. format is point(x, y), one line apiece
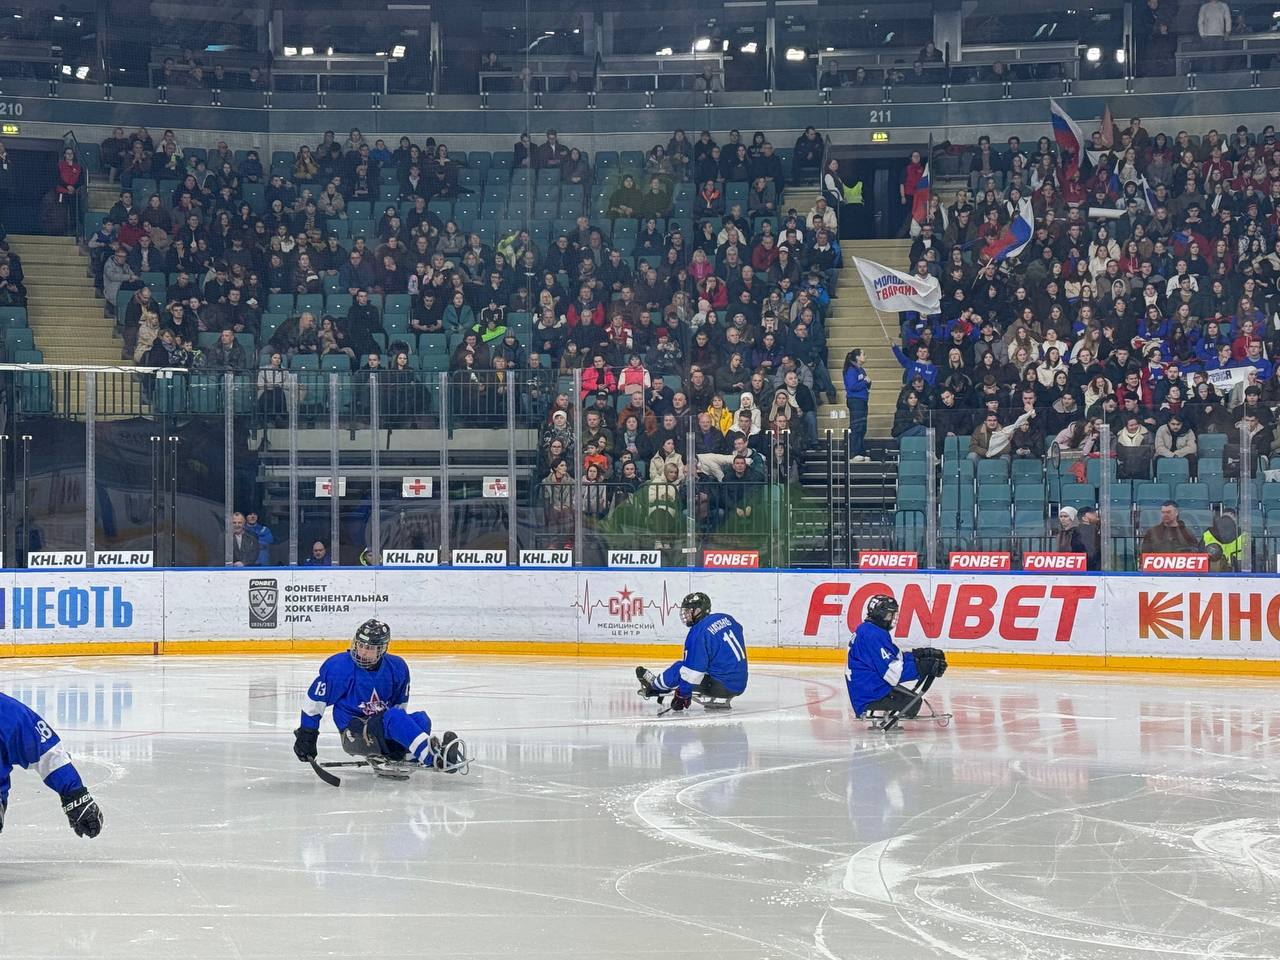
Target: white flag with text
point(892, 291)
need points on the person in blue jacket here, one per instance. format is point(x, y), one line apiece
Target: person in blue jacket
point(714, 664)
point(26, 740)
point(857, 391)
point(920, 365)
point(264, 535)
point(877, 668)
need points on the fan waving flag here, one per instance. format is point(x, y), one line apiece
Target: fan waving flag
point(893, 292)
point(1149, 195)
point(1014, 238)
point(1068, 136)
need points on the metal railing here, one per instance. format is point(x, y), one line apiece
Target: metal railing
point(366, 462)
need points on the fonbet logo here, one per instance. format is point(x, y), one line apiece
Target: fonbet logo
point(1220, 615)
point(966, 611)
point(887, 560)
point(1174, 563)
point(978, 560)
point(735, 559)
point(1055, 562)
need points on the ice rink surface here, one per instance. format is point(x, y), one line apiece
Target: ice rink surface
point(1060, 816)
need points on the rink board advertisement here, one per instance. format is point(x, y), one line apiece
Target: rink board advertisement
point(980, 612)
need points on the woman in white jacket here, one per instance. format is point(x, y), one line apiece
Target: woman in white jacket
point(1101, 252)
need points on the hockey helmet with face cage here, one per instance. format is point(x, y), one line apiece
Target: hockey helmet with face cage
point(694, 607)
point(370, 643)
point(882, 610)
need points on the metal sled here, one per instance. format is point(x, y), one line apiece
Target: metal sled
point(713, 703)
point(888, 719)
point(384, 768)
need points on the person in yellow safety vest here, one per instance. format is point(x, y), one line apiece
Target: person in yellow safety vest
point(1224, 543)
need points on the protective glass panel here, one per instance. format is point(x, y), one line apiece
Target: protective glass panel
point(49, 474)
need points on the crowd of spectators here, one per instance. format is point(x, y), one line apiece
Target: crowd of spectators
point(1147, 299)
point(711, 323)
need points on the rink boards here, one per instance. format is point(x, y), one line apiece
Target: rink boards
point(1213, 624)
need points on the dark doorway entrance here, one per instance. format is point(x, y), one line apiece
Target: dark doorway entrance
point(879, 169)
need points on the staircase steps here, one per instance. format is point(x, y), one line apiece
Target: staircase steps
point(853, 322)
point(68, 326)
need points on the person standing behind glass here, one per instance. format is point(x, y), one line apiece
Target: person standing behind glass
point(857, 389)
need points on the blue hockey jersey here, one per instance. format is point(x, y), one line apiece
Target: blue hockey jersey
point(876, 665)
point(353, 691)
point(716, 645)
point(26, 740)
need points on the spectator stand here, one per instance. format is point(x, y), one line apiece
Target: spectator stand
point(1250, 53)
point(327, 68)
point(951, 495)
point(838, 69)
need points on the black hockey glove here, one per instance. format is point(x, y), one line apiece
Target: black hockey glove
point(679, 701)
point(930, 662)
point(304, 744)
point(82, 812)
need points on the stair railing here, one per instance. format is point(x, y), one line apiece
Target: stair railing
point(79, 203)
point(831, 502)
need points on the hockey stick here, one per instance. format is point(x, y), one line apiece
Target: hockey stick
point(380, 769)
point(325, 775)
point(916, 695)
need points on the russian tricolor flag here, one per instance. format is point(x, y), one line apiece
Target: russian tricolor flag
point(1014, 238)
point(1148, 195)
point(1068, 136)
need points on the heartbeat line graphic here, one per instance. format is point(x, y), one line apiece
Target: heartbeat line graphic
point(628, 600)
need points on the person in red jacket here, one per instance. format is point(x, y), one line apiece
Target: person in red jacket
point(70, 175)
point(586, 309)
point(598, 377)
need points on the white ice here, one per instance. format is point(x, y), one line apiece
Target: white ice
point(1065, 816)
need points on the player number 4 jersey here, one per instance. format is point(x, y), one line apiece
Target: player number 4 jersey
point(875, 665)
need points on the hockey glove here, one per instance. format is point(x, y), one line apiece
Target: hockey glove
point(680, 701)
point(930, 662)
point(3, 804)
point(304, 744)
point(83, 813)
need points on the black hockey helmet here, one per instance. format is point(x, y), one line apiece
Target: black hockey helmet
point(882, 610)
point(372, 635)
point(694, 607)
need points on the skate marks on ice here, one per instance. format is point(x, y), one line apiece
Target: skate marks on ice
point(1058, 817)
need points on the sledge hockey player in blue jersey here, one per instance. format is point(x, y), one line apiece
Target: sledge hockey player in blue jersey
point(714, 666)
point(368, 689)
point(25, 741)
point(877, 669)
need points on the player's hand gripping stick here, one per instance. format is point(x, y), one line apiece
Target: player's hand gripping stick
point(304, 744)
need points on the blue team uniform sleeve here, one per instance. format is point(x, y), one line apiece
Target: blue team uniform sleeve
point(34, 744)
point(400, 698)
point(909, 671)
point(320, 696)
point(689, 671)
point(697, 661)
